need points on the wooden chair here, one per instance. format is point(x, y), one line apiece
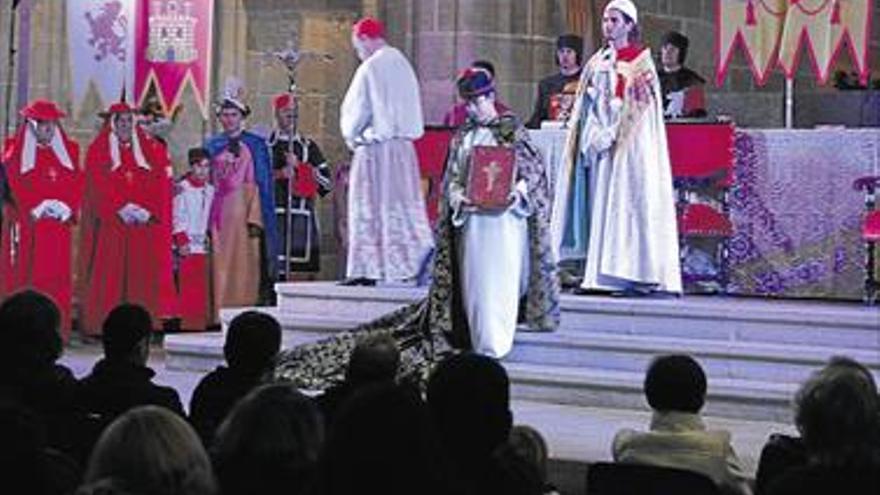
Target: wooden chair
point(870, 234)
point(609, 478)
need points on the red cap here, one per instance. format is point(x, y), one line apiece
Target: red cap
point(117, 108)
point(369, 27)
point(283, 100)
point(42, 110)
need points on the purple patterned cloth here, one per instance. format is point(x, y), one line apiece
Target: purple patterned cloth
point(795, 214)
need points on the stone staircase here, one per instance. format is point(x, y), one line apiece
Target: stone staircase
point(755, 351)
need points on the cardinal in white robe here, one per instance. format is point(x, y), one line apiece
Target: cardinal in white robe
point(389, 237)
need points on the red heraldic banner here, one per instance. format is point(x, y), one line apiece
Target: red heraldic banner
point(173, 40)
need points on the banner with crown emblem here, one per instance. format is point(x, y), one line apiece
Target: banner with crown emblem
point(173, 49)
point(776, 32)
point(101, 45)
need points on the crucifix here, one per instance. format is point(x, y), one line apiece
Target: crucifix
point(491, 170)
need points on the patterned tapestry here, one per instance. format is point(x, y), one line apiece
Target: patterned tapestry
point(795, 213)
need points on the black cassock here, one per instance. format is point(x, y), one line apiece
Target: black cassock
point(312, 179)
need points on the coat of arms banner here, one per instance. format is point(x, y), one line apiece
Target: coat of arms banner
point(138, 44)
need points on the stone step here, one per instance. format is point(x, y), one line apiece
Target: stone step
point(738, 360)
point(727, 319)
point(602, 388)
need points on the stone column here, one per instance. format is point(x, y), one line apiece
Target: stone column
point(444, 36)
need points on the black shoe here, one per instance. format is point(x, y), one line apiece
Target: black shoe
point(581, 291)
point(351, 282)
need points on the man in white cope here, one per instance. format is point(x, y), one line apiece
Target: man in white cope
point(617, 132)
point(502, 254)
point(389, 237)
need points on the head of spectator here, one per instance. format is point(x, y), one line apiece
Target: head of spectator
point(836, 412)
point(569, 53)
point(469, 399)
point(477, 89)
point(850, 363)
point(126, 334)
point(673, 51)
point(375, 359)
point(620, 24)
point(530, 445)
point(367, 37)
point(269, 443)
point(151, 450)
point(382, 442)
point(29, 324)
point(252, 342)
point(675, 383)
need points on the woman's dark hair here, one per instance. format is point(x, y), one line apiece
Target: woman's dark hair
point(836, 411)
point(271, 440)
point(382, 442)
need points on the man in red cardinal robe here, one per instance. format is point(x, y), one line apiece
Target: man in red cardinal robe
point(45, 187)
point(123, 257)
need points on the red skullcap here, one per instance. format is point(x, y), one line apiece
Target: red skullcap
point(42, 110)
point(282, 101)
point(369, 27)
point(117, 108)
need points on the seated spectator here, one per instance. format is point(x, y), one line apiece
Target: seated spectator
point(675, 387)
point(252, 342)
point(121, 380)
point(784, 452)
point(457, 115)
point(556, 92)
point(29, 373)
point(836, 412)
point(683, 93)
point(373, 360)
point(469, 400)
point(149, 450)
point(529, 444)
point(382, 442)
point(269, 443)
point(26, 460)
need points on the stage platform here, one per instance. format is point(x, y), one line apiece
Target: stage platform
point(756, 351)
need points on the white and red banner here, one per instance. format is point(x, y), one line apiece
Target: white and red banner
point(173, 49)
point(165, 44)
point(777, 32)
point(101, 44)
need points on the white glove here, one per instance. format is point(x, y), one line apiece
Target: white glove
point(141, 214)
point(58, 210)
point(125, 214)
point(134, 213)
point(41, 210)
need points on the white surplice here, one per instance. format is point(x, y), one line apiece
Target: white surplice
point(388, 231)
point(192, 210)
point(493, 256)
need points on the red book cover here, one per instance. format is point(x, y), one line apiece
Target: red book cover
point(491, 177)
